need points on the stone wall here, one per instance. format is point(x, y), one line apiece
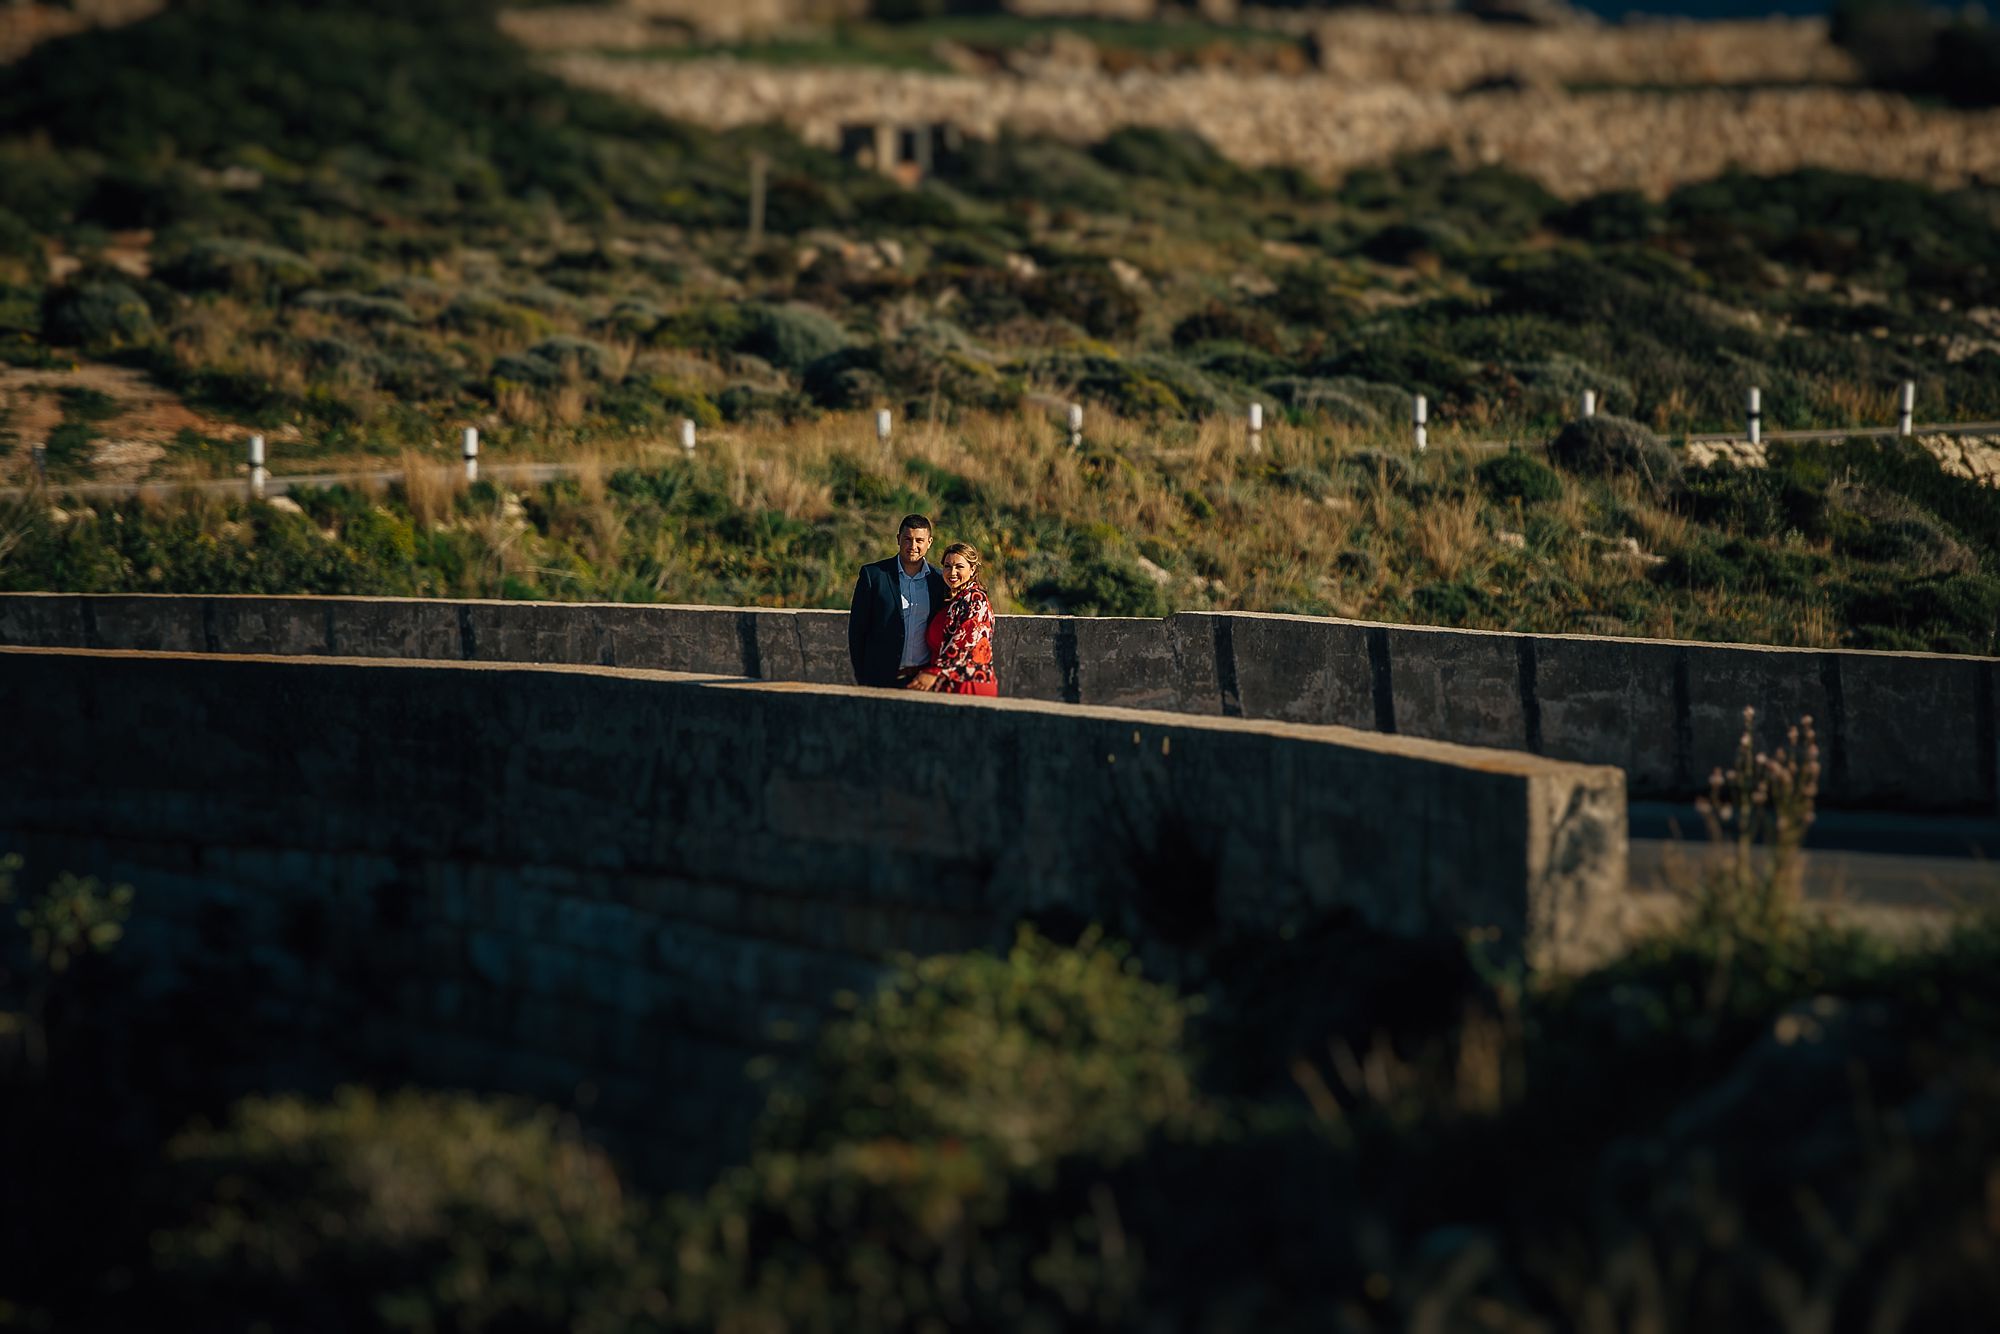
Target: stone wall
point(611, 888)
point(1899, 731)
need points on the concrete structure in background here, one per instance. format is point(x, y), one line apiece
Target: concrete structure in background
point(546, 879)
point(1912, 732)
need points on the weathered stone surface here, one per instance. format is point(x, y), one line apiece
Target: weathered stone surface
point(394, 628)
point(1458, 685)
point(1126, 661)
point(42, 618)
point(1613, 700)
point(1034, 657)
point(1300, 668)
point(545, 878)
point(1781, 684)
point(1910, 740)
point(146, 622)
point(265, 625)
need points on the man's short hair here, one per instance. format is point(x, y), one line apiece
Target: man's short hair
point(915, 521)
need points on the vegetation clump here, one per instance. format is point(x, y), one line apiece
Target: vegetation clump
point(1607, 446)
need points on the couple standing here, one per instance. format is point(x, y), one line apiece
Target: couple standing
point(919, 627)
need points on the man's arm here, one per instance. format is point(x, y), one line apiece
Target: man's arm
point(857, 626)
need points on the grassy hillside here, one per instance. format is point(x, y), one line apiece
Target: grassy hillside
point(358, 227)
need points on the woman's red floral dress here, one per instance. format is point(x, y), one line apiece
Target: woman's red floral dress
point(961, 639)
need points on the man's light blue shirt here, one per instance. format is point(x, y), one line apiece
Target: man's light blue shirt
point(916, 613)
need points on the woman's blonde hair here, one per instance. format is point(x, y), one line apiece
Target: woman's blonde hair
point(965, 549)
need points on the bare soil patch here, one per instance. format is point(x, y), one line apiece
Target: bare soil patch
point(130, 443)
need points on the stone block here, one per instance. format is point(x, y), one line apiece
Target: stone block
point(538, 632)
point(1614, 701)
point(1458, 685)
point(1298, 669)
point(394, 627)
point(1781, 684)
point(285, 626)
point(1034, 657)
point(1911, 740)
point(1125, 661)
point(53, 620)
point(146, 622)
point(1191, 643)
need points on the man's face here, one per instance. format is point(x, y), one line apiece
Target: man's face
point(912, 543)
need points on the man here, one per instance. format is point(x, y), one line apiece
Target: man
point(894, 600)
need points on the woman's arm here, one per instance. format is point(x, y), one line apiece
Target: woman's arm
point(968, 625)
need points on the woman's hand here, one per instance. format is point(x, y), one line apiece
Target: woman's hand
point(923, 681)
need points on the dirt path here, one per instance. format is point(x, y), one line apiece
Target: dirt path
point(129, 443)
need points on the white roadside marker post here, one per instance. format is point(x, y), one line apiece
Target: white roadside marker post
point(882, 424)
point(257, 474)
point(1420, 418)
point(1756, 416)
point(1590, 402)
point(1906, 409)
point(471, 451)
point(1076, 426)
point(1256, 428)
point(687, 435)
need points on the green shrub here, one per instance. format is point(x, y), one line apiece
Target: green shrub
point(1515, 475)
point(1607, 446)
point(849, 378)
point(246, 267)
point(1044, 1052)
point(913, 1176)
point(1178, 157)
point(478, 312)
point(359, 307)
point(934, 360)
point(1344, 400)
point(1198, 395)
point(1099, 583)
point(1879, 525)
point(1218, 323)
point(1943, 613)
point(1404, 242)
point(1088, 295)
point(419, 1211)
point(97, 314)
point(1065, 176)
point(755, 403)
point(791, 337)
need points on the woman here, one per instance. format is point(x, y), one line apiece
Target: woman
point(961, 635)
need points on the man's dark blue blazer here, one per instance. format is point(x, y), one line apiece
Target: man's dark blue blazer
point(875, 622)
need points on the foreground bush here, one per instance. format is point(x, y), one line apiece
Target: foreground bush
point(414, 1212)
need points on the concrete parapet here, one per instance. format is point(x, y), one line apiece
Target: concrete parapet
point(1900, 731)
point(545, 876)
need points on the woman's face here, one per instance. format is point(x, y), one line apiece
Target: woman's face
point(957, 571)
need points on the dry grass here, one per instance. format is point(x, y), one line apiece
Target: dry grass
point(430, 490)
point(1448, 534)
